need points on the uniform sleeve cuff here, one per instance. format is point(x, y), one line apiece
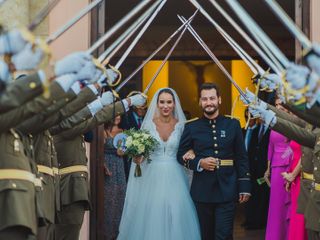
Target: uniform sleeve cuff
point(76, 88)
point(93, 89)
point(126, 105)
point(95, 106)
point(199, 169)
point(42, 76)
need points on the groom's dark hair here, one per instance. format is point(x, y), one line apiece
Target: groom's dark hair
point(166, 90)
point(209, 86)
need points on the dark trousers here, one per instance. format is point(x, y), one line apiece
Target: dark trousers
point(70, 220)
point(256, 209)
point(46, 232)
point(313, 235)
point(216, 220)
point(16, 233)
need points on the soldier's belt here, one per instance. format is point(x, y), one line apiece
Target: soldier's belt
point(308, 176)
point(73, 169)
point(46, 170)
point(317, 186)
point(225, 162)
point(15, 174)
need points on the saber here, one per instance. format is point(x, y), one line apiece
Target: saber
point(247, 38)
point(215, 59)
point(129, 49)
point(42, 14)
point(154, 53)
point(257, 32)
point(72, 21)
point(164, 61)
point(270, 62)
point(287, 21)
point(106, 56)
point(118, 25)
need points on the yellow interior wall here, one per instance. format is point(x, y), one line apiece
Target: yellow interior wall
point(183, 78)
point(242, 74)
point(161, 81)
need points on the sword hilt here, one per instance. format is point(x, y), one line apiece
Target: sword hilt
point(119, 76)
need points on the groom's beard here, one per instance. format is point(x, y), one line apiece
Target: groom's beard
point(210, 109)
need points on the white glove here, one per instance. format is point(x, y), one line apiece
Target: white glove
point(28, 59)
point(252, 98)
point(107, 98)
point(273, 81)
point(312, 94)
point(313, 60)
point(89, 72)
point(112, 76)
point(266, 115)
point(4, 72)
point(12, 42)
point(72, 63)
point(263, 83)
point(297, 75)
point(66, 81)
point(138, 100)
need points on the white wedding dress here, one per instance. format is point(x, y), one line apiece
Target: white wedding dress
point(158, 205)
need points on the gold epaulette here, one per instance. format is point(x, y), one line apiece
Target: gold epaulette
point(232, 117)
point(191, 120)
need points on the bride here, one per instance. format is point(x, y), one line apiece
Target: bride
point(158, 205)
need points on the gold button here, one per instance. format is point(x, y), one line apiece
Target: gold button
point(315, 168)
point(41, 178)
point(67, 99)
point(213, 126)
point(216, 145)
point(216, 152)
point(214, 131)
point(32, 85)
point(14, 185)
point(215, 138)
point(82, 175)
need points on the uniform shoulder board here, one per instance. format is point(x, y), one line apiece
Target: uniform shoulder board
point(232, 117)
point(191, 120)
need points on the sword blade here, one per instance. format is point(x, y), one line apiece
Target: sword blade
point(137, 38)
point(287, 21)
point(215, 59)
point(277, 69)
point(42, 14)
point(257, 32)
point(115, 47)
point(247, 38)
point(117, 26)
point(72, 21)
point(121, 85)
point(164, 61)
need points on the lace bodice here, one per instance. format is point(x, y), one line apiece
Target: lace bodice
point(166, 150)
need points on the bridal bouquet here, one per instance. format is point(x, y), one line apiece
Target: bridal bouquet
point(136, 143)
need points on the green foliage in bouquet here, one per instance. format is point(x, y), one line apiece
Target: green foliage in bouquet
point(139, 143)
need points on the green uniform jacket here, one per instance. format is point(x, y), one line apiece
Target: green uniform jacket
point(44, 151)
point(71, 151)
point(20, 91)
point(311, 115)
point(311, 140)
point(306, 158)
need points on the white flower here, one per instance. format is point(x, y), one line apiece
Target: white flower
point(135, 143)
point(129, 142)
point(141, 149)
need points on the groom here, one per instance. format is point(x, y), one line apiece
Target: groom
point(221, 169)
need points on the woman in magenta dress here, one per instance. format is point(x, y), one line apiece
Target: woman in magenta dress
point(279, 157)
point(297, 229)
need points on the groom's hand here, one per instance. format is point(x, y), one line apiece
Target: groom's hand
point(243, 197)
point(209, 163)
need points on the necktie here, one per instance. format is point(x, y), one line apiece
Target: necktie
point(139, 122)
point(261, 132)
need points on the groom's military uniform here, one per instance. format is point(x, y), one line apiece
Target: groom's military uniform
point(216, 192)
